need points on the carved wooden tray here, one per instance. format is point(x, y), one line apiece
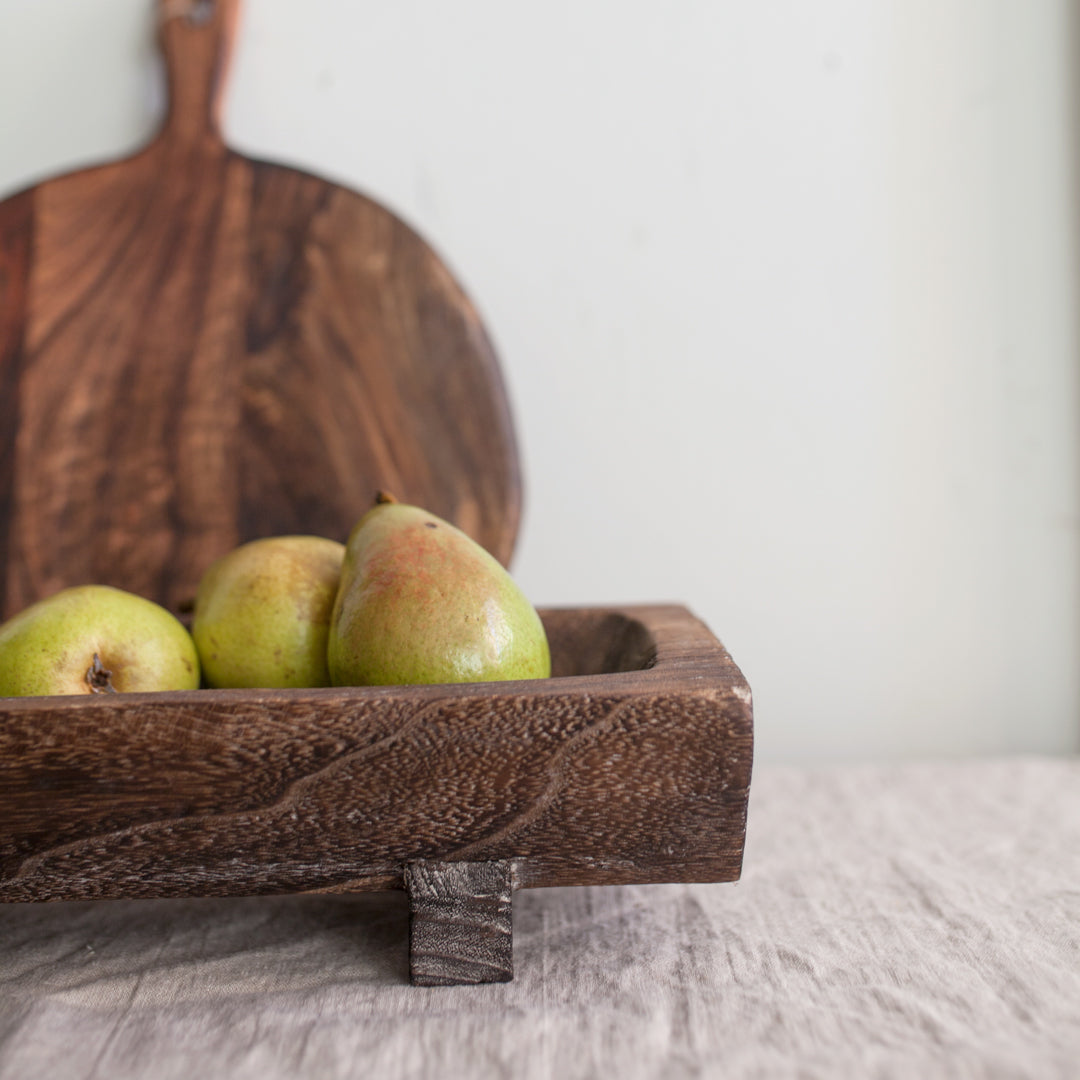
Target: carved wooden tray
point(630, 765)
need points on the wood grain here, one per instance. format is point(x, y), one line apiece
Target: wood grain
point(16, 238)
point(197, 349)
point(629, 776)
point(461, 926)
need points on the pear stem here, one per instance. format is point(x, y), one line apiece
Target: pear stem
point(99, 678)
point(384, 497)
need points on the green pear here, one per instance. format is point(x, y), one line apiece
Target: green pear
point(95, 639)
point(420, 602)
point(262, 613)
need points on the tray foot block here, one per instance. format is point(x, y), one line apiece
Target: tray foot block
point(460, 922)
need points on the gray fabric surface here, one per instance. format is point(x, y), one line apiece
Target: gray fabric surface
point(916, 921)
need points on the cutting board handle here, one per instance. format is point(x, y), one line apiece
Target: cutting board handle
point(196, 38)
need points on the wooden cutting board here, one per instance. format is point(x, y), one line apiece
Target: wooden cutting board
point(197, 349)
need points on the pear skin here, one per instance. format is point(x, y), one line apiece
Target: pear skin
point(262, 613)
point(421, 602)
point(95, 639)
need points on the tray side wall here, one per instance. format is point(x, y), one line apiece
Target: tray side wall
point(612, 779)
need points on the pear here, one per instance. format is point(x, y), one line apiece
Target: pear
point(95, 639)
point(421, 602)
point(262, 613)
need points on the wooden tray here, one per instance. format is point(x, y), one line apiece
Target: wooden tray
point(631, 765)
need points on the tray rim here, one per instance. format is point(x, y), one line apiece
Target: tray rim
point(684, 648)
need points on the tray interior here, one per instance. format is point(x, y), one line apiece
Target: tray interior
point(597, 642)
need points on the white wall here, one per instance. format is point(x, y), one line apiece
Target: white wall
point(785, 295)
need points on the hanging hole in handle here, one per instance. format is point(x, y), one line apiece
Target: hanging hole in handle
point(201, 12)
point(193, 12)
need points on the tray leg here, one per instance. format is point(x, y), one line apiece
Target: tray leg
point(460, 922)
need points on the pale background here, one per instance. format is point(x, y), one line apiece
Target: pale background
point(785, 295)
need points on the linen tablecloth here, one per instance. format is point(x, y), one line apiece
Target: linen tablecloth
point(892, 921)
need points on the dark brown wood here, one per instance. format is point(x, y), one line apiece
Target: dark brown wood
point(197, 349)
point(16, 238)
point(461, 926)
point(629, 776)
